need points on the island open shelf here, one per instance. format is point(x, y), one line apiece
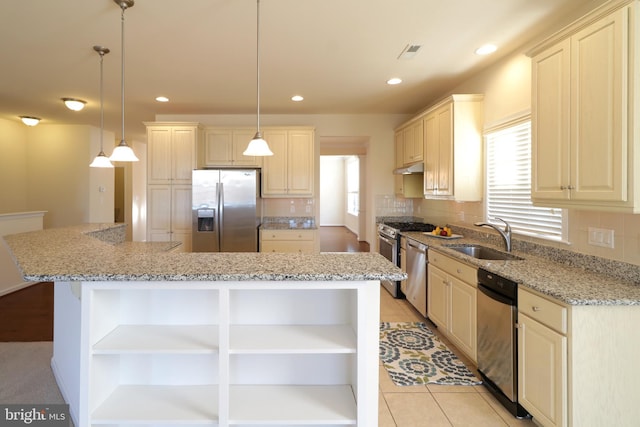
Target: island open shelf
point(241, 353)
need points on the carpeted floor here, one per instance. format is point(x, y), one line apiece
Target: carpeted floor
point(25, 373)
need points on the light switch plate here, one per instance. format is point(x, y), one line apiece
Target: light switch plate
point(601, 237)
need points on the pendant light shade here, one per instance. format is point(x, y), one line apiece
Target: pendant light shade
point(258, 146)
point(101, 160)
point(122, 152)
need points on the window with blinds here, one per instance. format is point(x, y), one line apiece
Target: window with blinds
point(508, 189)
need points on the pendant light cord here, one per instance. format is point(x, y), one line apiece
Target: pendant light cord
point(123, 7)
point(101, 101)
point(258, 63)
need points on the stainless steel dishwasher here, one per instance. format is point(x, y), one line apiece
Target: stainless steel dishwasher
point(416, 286)
point(497, 339)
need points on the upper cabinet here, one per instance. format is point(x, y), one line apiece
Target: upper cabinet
point(171, 152)
point(224, 147)
point(412, 142)
point(290, 171)
point(585, 113)
point(453, 149)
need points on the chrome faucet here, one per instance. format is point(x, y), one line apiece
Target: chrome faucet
point(506, 234)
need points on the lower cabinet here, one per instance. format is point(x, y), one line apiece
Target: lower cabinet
point(169, 214)
point(300, 241)
point(451, 301)
point(219, 353)
point(577, 364)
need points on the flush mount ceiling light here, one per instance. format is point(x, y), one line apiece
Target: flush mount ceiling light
point(101, 160)
point(297, 98)
point(122, 152)
point(74, 104)
point(258, 146)
point(30, 120)
point(394, 81)
point(486, 49)
point(162, 99)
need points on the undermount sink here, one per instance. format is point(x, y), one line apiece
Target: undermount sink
point(483, 252)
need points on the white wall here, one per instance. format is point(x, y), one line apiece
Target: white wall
point(332, 191)
point(46, 168)
point(13, 166)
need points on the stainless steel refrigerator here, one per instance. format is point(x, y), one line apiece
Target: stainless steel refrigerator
point(226, 210)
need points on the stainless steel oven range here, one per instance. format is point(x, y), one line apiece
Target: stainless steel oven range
point(389, 246)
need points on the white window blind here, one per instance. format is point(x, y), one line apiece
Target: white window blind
point(508, 192)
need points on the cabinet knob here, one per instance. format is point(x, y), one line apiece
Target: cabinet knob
point(459, 271)
point(535, 308)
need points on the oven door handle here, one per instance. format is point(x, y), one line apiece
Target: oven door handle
point(384, 239)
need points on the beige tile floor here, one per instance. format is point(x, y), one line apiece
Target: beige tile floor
point(434, 405)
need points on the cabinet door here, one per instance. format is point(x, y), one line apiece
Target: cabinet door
point(444, 182)
point(598, 105)
point(159, 155)
point(181, 216)
point(218, 147)
point(550, 162)
point(399, 150)
point(159, 213)
point(418, 141)
point(431, 153)
point(542, 372)
point(183, 154)
point(463, 326)
point(300, 163)
point(274, 173)
point(438, 297)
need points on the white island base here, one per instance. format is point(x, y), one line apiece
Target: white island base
point(244, 353)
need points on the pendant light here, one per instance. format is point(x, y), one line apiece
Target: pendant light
point(258, 146)
point(101, 160)
point(122, 152)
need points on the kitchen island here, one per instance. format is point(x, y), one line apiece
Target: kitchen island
point(151, 337)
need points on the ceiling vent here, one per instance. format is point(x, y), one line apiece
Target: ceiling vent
point(409, 51)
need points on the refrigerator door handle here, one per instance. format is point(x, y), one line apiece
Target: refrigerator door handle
point(220, 191)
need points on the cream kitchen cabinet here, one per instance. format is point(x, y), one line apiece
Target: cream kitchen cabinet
point(578, 364)
point(408, 186)
point(171, 152)
point(169, 214)
point(451, 301)
point(542, 358)
point(413, 142)
point(300, 241)
point(585, 82)
point(224, 147)
point(290, 171)
point(453, 149)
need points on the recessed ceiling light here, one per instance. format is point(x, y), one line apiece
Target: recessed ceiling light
point(297, 98)
point(486, 49)
point(162, 99)
point(394, 81)
point(74, 104)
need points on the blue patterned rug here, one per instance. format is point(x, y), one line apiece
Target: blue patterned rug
point(412, 354)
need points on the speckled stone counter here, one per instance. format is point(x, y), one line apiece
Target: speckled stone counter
point(569, 284)
point(76, 254)
point(288, 223)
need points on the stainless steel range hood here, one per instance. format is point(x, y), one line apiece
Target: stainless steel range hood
point(408, 170)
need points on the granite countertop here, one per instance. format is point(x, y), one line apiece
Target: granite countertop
point(568, 284)
point(288, 223)
point(96, 252)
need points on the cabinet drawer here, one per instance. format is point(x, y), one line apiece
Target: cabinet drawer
point(288, 246)
point(457, 269)
point(544, 311)
point(295, 235)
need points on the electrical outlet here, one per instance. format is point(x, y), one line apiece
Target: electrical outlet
point(601, 237)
